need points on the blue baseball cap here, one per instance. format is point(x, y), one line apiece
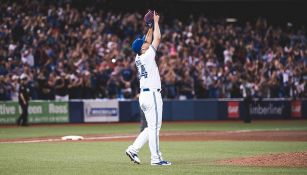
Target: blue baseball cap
point(137, 44)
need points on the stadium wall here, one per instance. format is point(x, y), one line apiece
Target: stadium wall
point(39, 112)
point(80, 111)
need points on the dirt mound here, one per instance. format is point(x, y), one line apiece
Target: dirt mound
point(296, 159)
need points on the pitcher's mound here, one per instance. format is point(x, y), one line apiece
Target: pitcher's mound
point(296, 159)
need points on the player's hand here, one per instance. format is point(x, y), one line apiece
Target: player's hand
point(156, 17)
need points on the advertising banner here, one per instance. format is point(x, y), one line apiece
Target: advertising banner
point(233, 109)
point(296, 107)
point(101, 111)
point(270, 110)
point(39, 112)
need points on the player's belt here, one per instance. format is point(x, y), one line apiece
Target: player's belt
point(147, 89)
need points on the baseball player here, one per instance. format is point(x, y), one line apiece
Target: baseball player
point(150, 97)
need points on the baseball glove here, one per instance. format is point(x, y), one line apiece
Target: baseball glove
point(148, 18)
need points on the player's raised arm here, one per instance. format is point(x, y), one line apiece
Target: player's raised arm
point(156, 32)
point(148, 38)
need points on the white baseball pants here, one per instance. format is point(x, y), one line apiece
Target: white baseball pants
point(151, 103)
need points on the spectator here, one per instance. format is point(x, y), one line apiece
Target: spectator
point(112, 86)
point(127, 76)
point(15, 87)
point(74, 87)
point(43, 38)
point(42, 85)
point(170, 84)
point(27, 58)
point(87, 86)
point(3, 92)
point(187, 87)
point(61, 84)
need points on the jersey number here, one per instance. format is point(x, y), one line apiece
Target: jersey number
point(142, 72)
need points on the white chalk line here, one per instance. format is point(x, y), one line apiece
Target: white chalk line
point(109, 137)
point(58, 140)
point(33, 141)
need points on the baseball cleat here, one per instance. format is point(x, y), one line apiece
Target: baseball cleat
point(162, 163)
point(133, 157)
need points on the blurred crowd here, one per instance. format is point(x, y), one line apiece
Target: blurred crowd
point(68, 53)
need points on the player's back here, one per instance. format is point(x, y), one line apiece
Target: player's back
point(148, 70)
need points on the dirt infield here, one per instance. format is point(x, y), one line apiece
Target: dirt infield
point(240, 135)
point(296, 159)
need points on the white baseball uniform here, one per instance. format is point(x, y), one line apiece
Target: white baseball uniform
point(150, 102)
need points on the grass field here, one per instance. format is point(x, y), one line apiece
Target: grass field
point(193, 157)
